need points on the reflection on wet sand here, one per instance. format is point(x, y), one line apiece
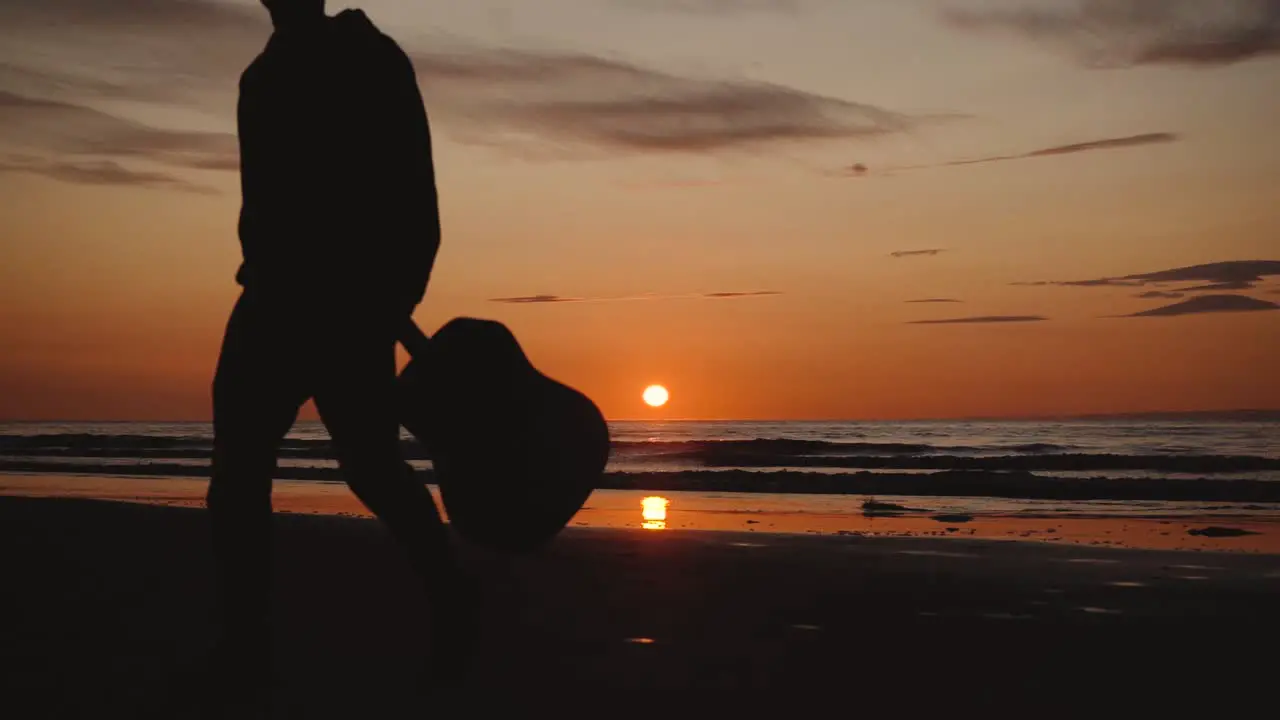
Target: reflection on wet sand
point(761, 513)
point(654, 512)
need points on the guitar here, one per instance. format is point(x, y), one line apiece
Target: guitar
point(516, 454)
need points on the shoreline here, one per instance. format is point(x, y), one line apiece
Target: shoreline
point(1012, 484)
point(1248, 529)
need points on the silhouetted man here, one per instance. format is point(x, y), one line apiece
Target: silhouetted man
point(339, 230)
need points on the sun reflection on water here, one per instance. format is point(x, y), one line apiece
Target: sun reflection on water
point(654, 512)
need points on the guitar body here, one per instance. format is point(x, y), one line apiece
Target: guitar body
point(516, 454)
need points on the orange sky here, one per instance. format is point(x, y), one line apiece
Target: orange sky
point(114, 285)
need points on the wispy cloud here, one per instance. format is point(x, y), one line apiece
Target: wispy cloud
point(535, 101)
point(73, 128)
point(532, 299)
point(930, 252)
point(607, 104)
point(934, 300)
point(1228, 275)
point(81, 144)
point(127, 13)
point(99, 172)
point(536, 299)
point(136, 49)
point(1224, 285)
point(752, 293)
point(1096, 282)
point(1209, 304)
point(1248, 271)
point(1105, 144)
point(1124, 33)
point(1151, 294)
point(1090, 146)
point(1114, 143)
point(981, 319)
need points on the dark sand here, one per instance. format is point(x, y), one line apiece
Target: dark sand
point(107, 599)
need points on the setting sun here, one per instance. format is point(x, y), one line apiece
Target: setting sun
point(656, 395)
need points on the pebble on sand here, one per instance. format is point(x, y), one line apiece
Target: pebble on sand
point(1215, 531)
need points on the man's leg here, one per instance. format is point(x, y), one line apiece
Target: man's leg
point(356, 399)
point(256, 396)
point(355, 396)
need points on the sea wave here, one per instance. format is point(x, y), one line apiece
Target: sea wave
point(777, 447)
point(1069, 462)
point(1016, 484)
point(25, 444)
point(757, 453)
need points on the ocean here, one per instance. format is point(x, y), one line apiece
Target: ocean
point(1082, 449)
point(1116, 468)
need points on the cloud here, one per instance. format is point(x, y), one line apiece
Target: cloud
point(1126, 33)
point(715, 7)
point(934, 300)
point(132, 13)
point(1105, 144)
point(99, 172)
point(77, 132)
point(1159, 294)
point(1115, 143)
point(136, 49)
point(1209, 304)
point(1100, 282)
point(981, 319)
point(1228, 275)
point(612, 105)
point(530, 299)
point(535, 299)
point(562, 101)
point(1097, 282)
point(917, 253)
point(1090, 146)
point(753, 293)
point(1225, 285)
point(1248, 271)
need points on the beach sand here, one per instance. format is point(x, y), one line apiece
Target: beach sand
point(1256, 530)
point(110, 599)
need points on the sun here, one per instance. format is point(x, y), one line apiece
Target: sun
point(656, 396)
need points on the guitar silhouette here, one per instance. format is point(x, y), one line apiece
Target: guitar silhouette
point(516, 454)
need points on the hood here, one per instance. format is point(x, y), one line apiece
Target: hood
point(354, 23)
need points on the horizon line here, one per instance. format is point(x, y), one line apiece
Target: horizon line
point(958, 418)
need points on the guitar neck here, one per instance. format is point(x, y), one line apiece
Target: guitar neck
point(413, 339)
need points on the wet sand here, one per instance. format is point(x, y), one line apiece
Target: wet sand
point(1255, 529)
point(109, 598)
